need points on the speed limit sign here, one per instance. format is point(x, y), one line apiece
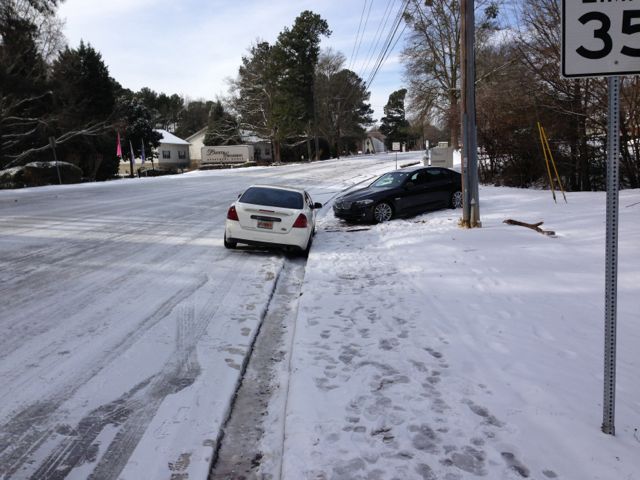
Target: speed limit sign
point(600, 38)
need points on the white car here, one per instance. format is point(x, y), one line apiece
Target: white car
point(270, 215)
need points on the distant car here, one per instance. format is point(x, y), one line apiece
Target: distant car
point(401, 192)
point(272, 216)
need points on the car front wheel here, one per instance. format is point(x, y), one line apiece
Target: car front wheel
point(456, 199)
point(382, 212)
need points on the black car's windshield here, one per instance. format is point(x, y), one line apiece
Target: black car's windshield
point(391, 179)
point(272, 197)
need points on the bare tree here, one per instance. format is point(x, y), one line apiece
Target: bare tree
point(576, 104)
point(630, 130)
point(432, 61)
point(432, 58)
point(50, 40)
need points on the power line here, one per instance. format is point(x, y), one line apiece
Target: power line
point(355, 42)
point(366, 21)
point(387, 46)
point(384, 54)
point(378, 35)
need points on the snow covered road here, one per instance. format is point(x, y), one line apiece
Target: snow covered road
point(125, 323)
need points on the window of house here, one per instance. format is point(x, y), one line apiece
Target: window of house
point(166, 153)
point(182, 154)
point(267, 151)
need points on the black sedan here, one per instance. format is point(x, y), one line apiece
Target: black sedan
point(402, 192)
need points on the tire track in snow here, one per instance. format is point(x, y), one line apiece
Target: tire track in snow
point(36, 321)
point(33, 425)
point(239, 451)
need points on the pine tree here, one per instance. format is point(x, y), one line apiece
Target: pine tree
point(394, 124)
point(222, 127)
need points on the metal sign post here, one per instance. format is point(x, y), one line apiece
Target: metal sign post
point(603, 39)
point(611, 260)
point(396, 147)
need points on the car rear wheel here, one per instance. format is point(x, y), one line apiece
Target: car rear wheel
point(382, 212)
point(456, 199)
point(229, 243)
point(305, 252)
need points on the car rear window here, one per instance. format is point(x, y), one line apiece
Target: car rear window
point(272, 197)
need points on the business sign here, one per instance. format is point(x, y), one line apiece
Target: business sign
point(227, 154)
point(600, 38)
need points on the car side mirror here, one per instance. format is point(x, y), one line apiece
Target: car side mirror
point(317, 205)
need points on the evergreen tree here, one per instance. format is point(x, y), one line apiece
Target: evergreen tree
point(135, 124)
point(84, 97)
point(165, 109)
point(83, 90)
point(342, 107)
point(24, 94)
point(297, 50)
point(193, 117)
point(222, 127)
point(394, 124)
point(274, 88)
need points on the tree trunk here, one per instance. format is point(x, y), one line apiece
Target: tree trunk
point(275, 147)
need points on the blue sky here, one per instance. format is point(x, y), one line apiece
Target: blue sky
point(191, 47)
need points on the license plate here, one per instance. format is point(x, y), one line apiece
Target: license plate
point(267, 225)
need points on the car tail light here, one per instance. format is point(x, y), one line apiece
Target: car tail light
point(232, 214)
point(301, 221)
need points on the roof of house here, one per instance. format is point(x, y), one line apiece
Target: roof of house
point(170, 138)
point(198, 133)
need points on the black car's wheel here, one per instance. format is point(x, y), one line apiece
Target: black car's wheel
point(382, 212)
point(229, 243)
point(456, 199)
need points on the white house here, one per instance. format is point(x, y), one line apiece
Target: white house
point(196, 142)
point(173, 152)
point(372, 144)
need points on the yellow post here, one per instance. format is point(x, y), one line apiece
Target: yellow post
point(546, 159)
point(553, 162)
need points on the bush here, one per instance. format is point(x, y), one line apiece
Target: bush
point(37, 174)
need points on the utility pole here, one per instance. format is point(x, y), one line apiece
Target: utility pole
point(470, 197)
point(315, 120)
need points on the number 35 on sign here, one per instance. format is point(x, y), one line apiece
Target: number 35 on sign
point(600, 37)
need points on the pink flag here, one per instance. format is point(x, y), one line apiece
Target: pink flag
point(119, 148)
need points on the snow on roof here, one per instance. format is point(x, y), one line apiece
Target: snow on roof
point(170, 138)
point(247, 136)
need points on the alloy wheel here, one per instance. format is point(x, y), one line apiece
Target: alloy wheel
point(456, 199)
point(382, 212)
